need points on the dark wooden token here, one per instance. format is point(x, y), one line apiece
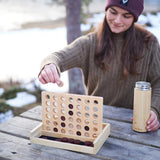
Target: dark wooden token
point(64, 139)
point(63, 118)
point(71, 140)
point(77, 141)
point(70, 106)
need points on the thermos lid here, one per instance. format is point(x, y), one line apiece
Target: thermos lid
point(141, 85)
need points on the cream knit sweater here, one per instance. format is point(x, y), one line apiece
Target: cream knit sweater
point(107, 84)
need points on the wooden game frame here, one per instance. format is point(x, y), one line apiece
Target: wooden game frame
point(86, 125)
point(98, 142)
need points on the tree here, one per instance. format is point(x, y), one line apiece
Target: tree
point(73, 22)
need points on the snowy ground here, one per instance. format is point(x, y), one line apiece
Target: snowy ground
point(22, 50)
point(13, 13)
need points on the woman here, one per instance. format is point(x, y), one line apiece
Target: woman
point(113, 59)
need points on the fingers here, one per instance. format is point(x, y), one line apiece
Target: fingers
point(153, 126)
point(41, 79)
point(44, 76)
point(56, 78)
point(50, 74)
point(152, 123)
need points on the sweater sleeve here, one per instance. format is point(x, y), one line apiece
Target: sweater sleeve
point(73, 55)
point(154, 77)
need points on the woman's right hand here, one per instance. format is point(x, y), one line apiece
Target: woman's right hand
point(49, 74)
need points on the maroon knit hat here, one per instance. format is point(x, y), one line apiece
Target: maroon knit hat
point(135, 7)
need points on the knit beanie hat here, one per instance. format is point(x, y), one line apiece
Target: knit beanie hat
point(135, 7)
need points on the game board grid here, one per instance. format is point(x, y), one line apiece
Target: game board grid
point(58, 103)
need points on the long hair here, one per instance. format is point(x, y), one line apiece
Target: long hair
point(132, 50)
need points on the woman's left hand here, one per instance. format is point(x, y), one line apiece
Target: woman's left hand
point(152, 123)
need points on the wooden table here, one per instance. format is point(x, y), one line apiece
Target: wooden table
point(122, 144)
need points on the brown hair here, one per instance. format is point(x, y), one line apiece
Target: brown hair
point(132, 50)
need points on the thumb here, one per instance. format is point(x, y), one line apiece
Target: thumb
point(57, 76)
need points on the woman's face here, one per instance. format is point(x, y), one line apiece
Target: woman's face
point(118, 19)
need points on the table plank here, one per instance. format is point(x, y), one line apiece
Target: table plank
point(117, 113)
point(16, 148)
point(34, 113)
point(122, 130)
point(124, 150)
point(19, 126)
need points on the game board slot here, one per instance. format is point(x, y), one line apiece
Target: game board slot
point(63, 105)
point(48, 103)
point(78, 107)
point(63, 98)
point(70, 99)
point(87, 108)
point(47, 96)
point(55, 98)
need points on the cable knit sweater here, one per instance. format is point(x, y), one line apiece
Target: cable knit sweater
point(108, 84)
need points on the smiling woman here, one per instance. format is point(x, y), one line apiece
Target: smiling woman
point(113, 58)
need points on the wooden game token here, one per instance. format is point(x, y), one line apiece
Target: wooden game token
point(64, 139)
point(60, 83)
point(71, 140)
point(58, 139)
point(88, 143)
point(76, 141)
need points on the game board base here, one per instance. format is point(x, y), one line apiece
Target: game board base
point(98, 142)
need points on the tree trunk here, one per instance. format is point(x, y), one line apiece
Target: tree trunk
point(73, 22)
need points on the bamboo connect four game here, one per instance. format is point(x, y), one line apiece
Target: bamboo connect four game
point(70, 120)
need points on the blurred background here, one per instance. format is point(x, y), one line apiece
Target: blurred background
point(32, 29)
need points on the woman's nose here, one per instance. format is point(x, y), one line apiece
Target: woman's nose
point(118, 19)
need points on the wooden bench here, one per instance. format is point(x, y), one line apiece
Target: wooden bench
point(122, 144)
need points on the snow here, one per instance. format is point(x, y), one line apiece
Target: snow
point(22, 51)
point(21, 99)
point(13, 13)
point(97, 18)
point(1, 91)
point(155, 31)
point(6, 116)
point(154, 19)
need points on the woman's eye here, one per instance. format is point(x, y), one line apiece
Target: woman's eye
point(112, 12)
point(127, 16)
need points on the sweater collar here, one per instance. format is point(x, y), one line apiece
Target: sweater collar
point(119, 36)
